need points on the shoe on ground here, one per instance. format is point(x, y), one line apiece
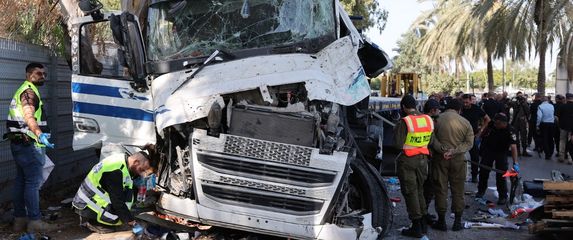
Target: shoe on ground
point(440, 225)
point(502, 201)
point(457, 226)
point(415, 230)
point(20, 224)
point(40, 226)
point(424, 225)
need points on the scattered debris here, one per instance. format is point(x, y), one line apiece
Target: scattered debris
point(497, 212)
point(557, 213)
point(392, 183)
point(395, 199)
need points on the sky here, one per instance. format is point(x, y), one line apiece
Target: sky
point(402, 13)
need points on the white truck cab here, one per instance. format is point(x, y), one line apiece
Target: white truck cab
point(256, 107)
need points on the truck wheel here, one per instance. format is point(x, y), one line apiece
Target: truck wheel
point(368, 192)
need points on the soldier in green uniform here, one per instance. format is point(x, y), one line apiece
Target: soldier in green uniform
point(452, 138)
point(412, 135)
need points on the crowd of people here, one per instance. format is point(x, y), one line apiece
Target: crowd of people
point(538, 121)
point(434, 144)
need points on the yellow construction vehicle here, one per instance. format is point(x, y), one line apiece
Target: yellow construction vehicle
point(396, 84)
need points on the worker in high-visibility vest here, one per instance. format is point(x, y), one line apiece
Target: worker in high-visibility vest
point(452, 138)
point(105, 197)
point(412, 135)
point(29, 136)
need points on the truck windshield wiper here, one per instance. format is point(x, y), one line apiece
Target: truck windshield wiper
point(207, 61)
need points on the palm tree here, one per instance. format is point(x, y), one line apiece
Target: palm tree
point(528, 25)
point(452, 33)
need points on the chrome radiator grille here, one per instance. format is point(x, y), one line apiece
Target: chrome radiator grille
point(270, 151)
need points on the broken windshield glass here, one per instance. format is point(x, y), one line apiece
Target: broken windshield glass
point(182, 29)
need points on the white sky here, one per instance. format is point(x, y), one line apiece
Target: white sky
point(401, 14)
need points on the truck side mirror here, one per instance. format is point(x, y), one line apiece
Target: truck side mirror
point(125, 31)
point(374, 60)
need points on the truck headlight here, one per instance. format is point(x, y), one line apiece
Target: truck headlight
point(88, 125)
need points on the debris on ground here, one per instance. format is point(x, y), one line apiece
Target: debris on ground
point(557, 213)
point(392, 183)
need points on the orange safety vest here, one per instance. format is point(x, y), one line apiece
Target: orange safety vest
point(420, 128)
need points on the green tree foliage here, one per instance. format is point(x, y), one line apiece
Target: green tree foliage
point(441, 82)
point(374, 15)
point(32, 21)
point(409, 59)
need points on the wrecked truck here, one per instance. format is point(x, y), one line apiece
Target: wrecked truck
point(258, 108)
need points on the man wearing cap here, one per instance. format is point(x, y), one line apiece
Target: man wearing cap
point(412, 135)
point(105, 197)
point(565, 116)
point(474, 115)
point(497, 138)
point(452, 138)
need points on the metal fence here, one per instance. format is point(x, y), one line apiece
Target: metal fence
point(56, 94)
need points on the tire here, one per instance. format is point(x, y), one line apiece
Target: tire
point(373, 194)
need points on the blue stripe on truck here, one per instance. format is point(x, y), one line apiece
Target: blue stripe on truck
point(113, 111)
point(107, 91)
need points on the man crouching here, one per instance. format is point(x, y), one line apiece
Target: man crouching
point(105, 197)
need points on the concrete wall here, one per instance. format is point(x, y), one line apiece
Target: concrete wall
point(56, 94)
point(562, 84)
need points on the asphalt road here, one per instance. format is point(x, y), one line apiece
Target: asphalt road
point(531, 167)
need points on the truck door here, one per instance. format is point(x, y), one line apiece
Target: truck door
point(111, 102)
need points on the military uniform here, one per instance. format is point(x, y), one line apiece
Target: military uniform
point(412, 163)
point(453, 133)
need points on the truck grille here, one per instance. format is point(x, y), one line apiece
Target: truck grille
point(264, 171)
point(269, 151)
point(275, 203)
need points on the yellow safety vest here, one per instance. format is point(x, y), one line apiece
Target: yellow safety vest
point(15, 122)
point(92, 195)
point(420, 128)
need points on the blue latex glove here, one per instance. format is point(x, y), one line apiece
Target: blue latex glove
point(43, 138)
point(516, 167)
point(137, 229)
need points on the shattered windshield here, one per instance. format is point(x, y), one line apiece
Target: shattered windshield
point(194, 28)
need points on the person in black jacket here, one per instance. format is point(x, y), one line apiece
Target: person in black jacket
point(565, 116)
point(498, 137)
point(533, 134)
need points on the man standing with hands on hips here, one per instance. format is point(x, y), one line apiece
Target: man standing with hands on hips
point(29, 136)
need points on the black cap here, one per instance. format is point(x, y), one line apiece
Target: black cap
point(431, 104)
point(569, 95)
point(501, 117)
point(408, 101)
